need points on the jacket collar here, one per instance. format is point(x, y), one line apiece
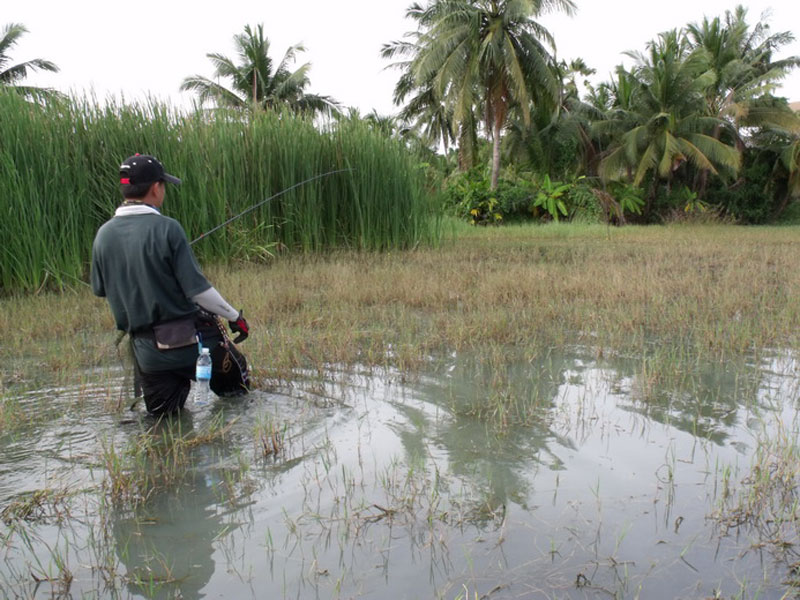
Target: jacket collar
point(135, 209)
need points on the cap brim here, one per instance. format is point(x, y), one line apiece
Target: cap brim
point(171, 178)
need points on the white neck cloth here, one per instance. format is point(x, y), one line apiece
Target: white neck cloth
point(127, 210)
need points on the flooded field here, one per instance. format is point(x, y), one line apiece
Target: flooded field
point(571, 474)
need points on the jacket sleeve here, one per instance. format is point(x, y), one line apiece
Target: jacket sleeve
point(213, 302)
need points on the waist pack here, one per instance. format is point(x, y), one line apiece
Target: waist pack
point(177, 333)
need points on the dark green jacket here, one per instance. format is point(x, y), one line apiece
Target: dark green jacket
point(143, 265)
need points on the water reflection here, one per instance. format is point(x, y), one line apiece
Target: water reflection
point(168, 543)
point(567, 474)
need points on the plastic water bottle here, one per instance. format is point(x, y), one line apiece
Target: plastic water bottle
point(202, 390)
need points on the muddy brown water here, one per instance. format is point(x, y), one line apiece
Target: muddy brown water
point(599, 478)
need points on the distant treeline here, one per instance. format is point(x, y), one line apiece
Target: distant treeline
point(59, 182)
point(693, 128)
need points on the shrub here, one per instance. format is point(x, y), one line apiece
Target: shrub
point(751, 198)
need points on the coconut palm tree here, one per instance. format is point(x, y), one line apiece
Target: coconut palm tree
point(433, 119)
point(255, 81)
point(11, 75)
point(745, 70)
point(558, 138)
point(746, 75)
point(485, 54)
point(422, 106)
point(665, 126)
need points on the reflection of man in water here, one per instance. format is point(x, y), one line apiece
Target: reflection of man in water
point(167, 546)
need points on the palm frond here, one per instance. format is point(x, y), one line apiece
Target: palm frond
point(9, 38)
point(648, 161)
point(717, 152)
point(696, 156)
point(670, 155)
point(208, 90)
point(613, 166)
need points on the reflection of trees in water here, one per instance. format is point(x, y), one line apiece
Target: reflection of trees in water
point(500, 425)
point(702, 400)
point(500, 457)
point(495, 427)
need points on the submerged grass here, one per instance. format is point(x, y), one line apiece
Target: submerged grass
point(762, 507)
point(268, 436)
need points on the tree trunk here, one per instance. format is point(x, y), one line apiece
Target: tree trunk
point(703, 184)
point(705, 172)
point(651, 196)
point(495, 154)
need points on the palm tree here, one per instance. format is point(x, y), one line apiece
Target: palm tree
point(423, 106)
point(12, 74)
point(557, 140)
point(744, 68)
point(256, 82)
point(664, 125)
point(779, 144)
point(487, 54)
point(433, 119)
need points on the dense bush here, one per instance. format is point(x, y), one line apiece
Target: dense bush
point(752, 197)
point(468, 196)
point(525, 196)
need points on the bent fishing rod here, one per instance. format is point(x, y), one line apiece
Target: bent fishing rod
point(255, 206)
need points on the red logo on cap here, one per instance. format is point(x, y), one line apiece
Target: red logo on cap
point(125, 181)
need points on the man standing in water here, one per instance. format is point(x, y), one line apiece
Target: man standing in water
point(143, 265)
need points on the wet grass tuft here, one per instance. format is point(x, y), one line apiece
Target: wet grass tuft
point(764, 506)
point(39, 506)
point(268, 436)
point(155, 460)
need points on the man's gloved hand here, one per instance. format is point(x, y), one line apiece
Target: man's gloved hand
point(241, 327)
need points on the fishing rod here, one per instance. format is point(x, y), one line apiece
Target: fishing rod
point(255, 206)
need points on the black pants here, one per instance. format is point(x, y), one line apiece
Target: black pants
point(165, 392)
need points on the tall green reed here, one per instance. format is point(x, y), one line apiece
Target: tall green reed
point(58, 183)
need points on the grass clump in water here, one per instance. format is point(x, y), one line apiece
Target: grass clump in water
point(765, 505)
point(155, 460)
point(47, 505)
point(268, 436)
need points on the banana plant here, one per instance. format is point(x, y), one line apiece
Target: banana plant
point(549, 197)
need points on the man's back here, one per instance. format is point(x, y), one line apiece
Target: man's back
point(142, 262)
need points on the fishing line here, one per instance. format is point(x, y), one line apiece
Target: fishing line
point(255, 206)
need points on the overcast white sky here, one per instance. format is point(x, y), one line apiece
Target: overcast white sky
point(144, 47)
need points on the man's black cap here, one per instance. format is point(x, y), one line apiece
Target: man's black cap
point(143, 168)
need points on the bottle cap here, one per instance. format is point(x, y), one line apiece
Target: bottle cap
point(206, 350)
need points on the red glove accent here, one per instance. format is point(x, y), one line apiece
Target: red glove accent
point(241, 327)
